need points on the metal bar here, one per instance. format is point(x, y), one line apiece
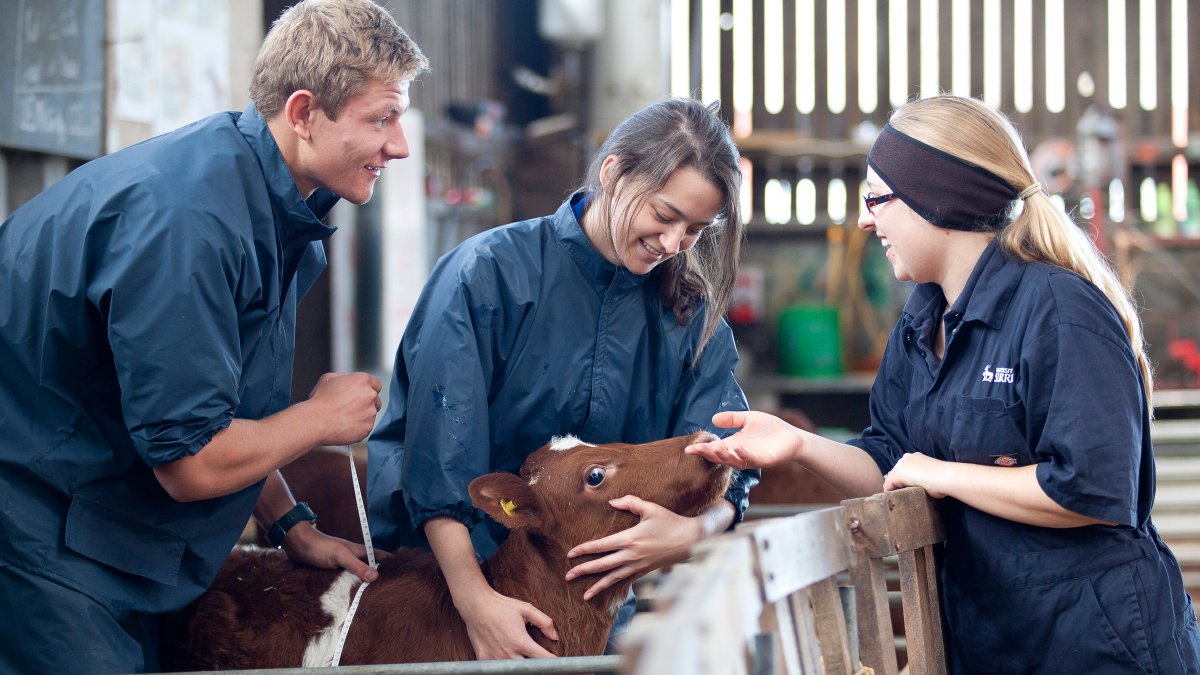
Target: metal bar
point(850, 611)
point(765, 660)
point(564, 665)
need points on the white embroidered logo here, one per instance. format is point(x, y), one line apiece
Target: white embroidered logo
point(1001, 375)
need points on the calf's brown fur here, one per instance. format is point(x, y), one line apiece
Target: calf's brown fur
point(262, 611)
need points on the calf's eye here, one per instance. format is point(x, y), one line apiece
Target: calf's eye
point(595, 476)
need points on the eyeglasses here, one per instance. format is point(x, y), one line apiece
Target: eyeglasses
point(875, 200)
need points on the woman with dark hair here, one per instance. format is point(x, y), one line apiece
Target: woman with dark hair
point(602, 321)
point(1015, 388)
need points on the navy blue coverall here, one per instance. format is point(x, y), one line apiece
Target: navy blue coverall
point(522, 333)
point(1038, 370)
point(149, 299)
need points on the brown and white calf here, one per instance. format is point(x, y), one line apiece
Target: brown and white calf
point(264, 612)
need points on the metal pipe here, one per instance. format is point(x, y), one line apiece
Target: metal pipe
point(564, 665)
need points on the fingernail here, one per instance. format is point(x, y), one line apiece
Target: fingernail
point(587, 596)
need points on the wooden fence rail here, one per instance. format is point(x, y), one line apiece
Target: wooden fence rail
point(766, 600)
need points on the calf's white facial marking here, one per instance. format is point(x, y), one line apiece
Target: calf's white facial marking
point(560, 443)
point(336, 603)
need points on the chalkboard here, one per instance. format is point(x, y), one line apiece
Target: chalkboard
point(52, 76)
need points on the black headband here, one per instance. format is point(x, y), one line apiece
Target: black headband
point(940, 187)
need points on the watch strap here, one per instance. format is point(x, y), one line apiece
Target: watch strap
point(298, 513)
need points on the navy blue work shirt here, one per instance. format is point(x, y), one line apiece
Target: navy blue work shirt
point(522, 333)
point(149, 299)
point(1037, 369)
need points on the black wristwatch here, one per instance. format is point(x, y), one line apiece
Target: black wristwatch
point(287, 521)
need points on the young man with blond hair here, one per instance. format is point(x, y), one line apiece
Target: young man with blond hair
point(147, 332)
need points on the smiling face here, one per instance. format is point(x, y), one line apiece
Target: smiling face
point(346, 155)
point(649, 229)
point(915, 247)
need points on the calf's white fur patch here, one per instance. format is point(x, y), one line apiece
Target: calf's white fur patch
point(336, 603)
point(566, 442)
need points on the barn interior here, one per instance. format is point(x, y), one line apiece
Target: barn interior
point(521, 93)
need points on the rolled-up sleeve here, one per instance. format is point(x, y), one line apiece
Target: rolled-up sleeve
point(172, 323)
point(1090, 443)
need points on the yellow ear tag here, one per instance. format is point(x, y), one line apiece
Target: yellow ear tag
point(509, 506)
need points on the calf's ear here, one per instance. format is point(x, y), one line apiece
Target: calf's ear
point(507, 499)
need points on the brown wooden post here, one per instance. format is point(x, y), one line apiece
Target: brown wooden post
point(902, 523)
point(865, 521)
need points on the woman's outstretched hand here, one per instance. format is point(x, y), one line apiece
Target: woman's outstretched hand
point(764, 440)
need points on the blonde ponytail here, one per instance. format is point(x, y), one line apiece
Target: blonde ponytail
point(1041, 232)
point(1044, 233)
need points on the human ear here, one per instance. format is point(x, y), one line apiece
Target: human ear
point(298, 112)
point(610, 164)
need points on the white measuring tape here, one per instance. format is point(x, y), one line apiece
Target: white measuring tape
point(366, 531)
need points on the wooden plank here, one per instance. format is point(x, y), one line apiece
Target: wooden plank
point(853, 115)
point(820, 121)
point(1193, 65)
point(787, 637)
point(788, 117)
point(1177, 496)
point(831, 627)
point(899, 522)
point(1007, 37)
point(933, 601)
point(806, 632)
point(1169, 398)
point(799, 551)
point(976, 46)
point(945, 48)
point(770, 589)
point(883, 106)
point(875, 633)
point(711, 619)
point(1188, 552)
point(922, 619)
point(725, 39)
point(759, 117)
point(1085, 48)
point(876, 649)
point(1175, 431)
point(914, 48)
point(1177, 524)
point(893, 521)
point(1161, 115)
point(916, 630)
point(1135, 120)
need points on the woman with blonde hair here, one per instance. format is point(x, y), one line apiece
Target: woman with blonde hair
point(1016, 389)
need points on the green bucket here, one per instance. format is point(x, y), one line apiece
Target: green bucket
point(810, 343)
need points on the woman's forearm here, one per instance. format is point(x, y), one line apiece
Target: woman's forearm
point(1010, 493)
point(451, 544)
point(848, 469)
